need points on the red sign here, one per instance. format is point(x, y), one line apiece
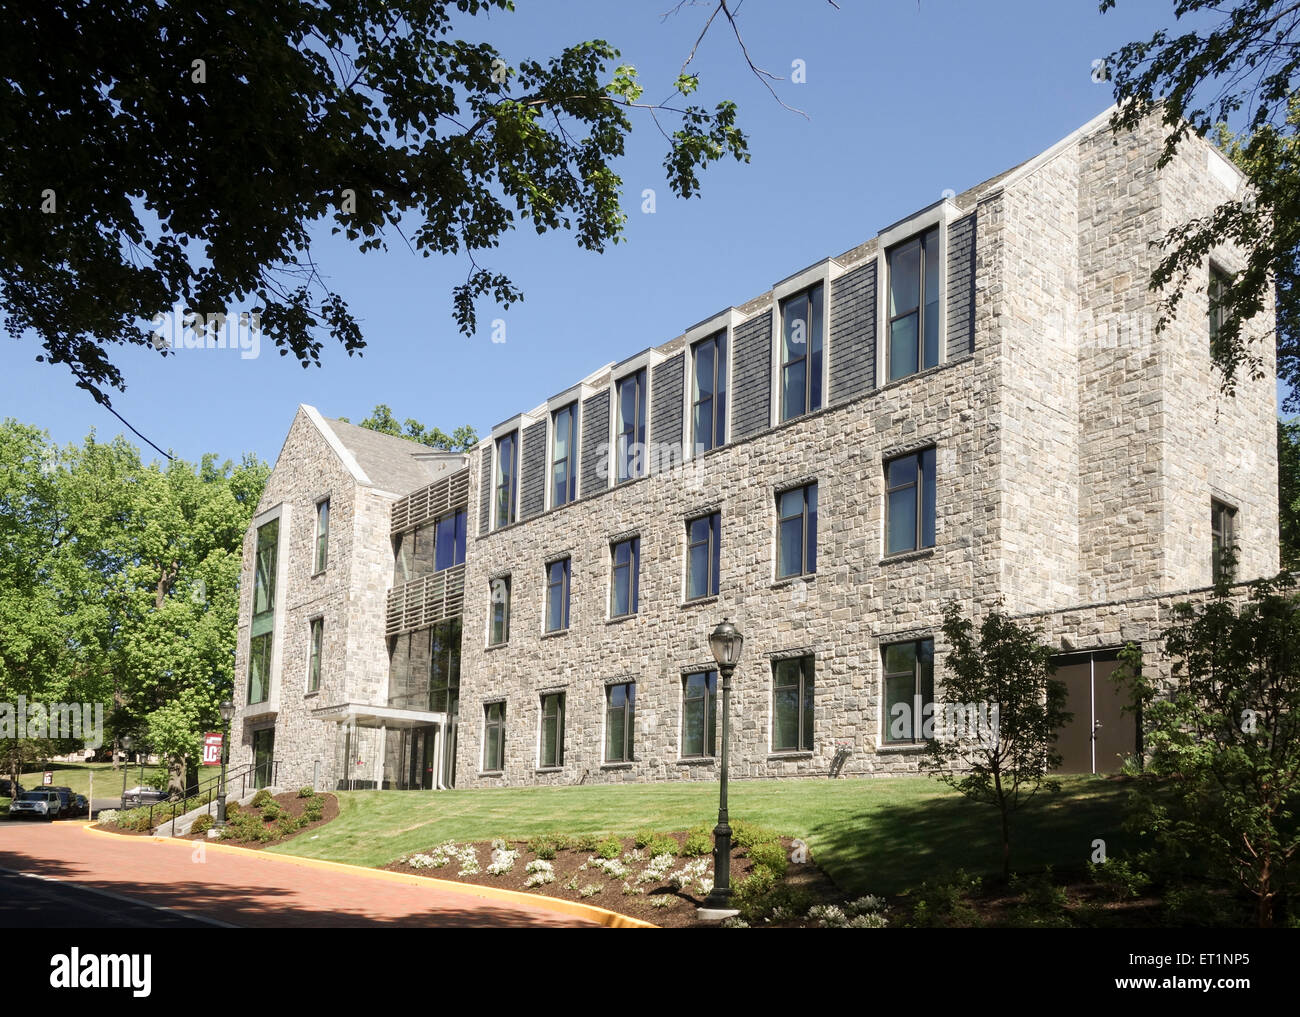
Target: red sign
point(48, 779)
point(212, 749)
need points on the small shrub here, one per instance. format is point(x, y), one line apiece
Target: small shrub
point(1043, 904)
point(745, 835)
point(751, 896)
point(590, 890)
point(734, 922)
point(663, 845)
point(698, 842)
point(542, 847)
point(585, 842)
point(107, 815)
point(232, 809)
point(314, 811)
point(609, 848)
point(306, 792)
point(262, 799)
point(287, 824)
point(643, 837)
point(271, 812)
point(202, 824)
point(663, 900)
point(946, 903)
point(1120, 880)
point(769, 855)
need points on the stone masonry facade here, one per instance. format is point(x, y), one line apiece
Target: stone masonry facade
point(1076, 454)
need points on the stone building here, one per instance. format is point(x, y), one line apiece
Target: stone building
point(972, 406)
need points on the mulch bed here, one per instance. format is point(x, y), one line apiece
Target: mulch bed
point(289, 803)
point(568, 864)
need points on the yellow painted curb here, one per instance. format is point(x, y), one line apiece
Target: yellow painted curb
point(601, 916)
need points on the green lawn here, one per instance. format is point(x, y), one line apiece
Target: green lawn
point(108, 782)
point(869, 835)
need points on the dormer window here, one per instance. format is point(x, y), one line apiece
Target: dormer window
point(913, 327)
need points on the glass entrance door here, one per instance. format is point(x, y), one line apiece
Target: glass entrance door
point(263, 757)
point(422, 758)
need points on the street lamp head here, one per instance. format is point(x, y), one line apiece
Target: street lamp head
point(725, 642)
point(126, 742)
point(227, 710)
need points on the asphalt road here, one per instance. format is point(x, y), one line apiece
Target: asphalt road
point(39, 902)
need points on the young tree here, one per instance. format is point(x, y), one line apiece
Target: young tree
point(187, 150)
point(1225, 735)
point(1288, 492)
point(383, 421)
point(1004, 675)
point(1236, 59)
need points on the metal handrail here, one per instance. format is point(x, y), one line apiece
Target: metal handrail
point(244, 774)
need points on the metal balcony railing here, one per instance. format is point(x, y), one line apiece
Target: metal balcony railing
point(426, 601)
point(439, 498)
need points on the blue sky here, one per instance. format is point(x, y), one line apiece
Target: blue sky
point(904, 100)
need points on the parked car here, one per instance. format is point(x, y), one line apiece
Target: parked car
point(7, 789)
point(67, 796)
point(36, 805)
point(138, 796)
point(80, 806)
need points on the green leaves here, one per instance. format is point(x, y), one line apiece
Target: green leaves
point(360, 112)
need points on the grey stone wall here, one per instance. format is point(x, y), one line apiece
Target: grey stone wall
point(484, 487)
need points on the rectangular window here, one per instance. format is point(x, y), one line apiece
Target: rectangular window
point(629, 427)
point(914, 305)
point(792, 705)
point(449, 541)
point(626, 559)
point(703, 556)
point(507, 477)
point(259, 669)
point(499, 627)
point(801, 353)
point(265, 564)
point(444, 667)
point(699, 714)
point(322, 535)
point(1222, 522)
point(709, 395)
point(1218, 286)
point(557, 595)
point(909, 502)
point(620, 719)
point(552, 735)
point(564, 448)
point(494, 737)
point(317, 643)
point(796, 533)
point(909, 689)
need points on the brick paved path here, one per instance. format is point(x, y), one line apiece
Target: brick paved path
point(250, 888)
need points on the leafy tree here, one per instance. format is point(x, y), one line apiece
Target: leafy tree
point(1225, 736)
point(226, 131)
point(1288, 492)
point(1237, 59)
point(383, 421)
point(119, 582)
point(1007, 672)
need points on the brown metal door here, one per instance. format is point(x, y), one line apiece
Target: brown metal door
point(1074, 741)
point(1116, 731)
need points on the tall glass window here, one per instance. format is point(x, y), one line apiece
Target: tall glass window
point(626, 559)
point(801, 353)
point(909, 502)
point(909, 689)
point(444, 667)
point(449, 541)
point(552, 734)
point(703, 556)
point(261, 636)
point(499, 629)
point(507, 477)
point(629, 428)
point(699, 714)
point(796, 534)
point(317, 636)
point(494, 737)
point(564, 448)
point(322, 535)
point(914, 305)
point(620, 719)
point(1222, 519)
point(792, 705)
point(557, 595)
point(709, 398)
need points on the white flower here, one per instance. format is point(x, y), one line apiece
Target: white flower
point(706, 886)
point(662, 900)
point(539, 872)
point(868, 921)
point(869, 904)
point(828, 915)
point(503, 860)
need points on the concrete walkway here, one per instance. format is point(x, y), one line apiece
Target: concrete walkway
point(252, 889)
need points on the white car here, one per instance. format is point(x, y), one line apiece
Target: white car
point(36, 804)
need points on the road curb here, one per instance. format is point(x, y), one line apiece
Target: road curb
point(601, 916)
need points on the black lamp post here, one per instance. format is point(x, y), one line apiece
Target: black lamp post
point(227, 711)
point(725, 642)
point(126, 764)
